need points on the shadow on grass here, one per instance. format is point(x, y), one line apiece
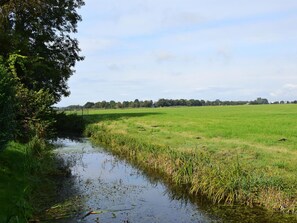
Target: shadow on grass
point(93, 118)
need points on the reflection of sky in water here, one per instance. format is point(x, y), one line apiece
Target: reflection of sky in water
point(108, 183)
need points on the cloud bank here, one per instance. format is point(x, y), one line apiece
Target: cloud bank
point(152, 49)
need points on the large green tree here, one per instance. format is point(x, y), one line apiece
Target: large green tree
point(37, 55)
point(41, 30)
point(7, 104)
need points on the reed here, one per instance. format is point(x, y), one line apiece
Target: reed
point(225, 169)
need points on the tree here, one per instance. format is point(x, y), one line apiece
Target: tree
point(40, 30)
point(136, 103)
point(147, 104)
point(33, 111)
point(125, 104)
point(112, 104)
point(89, 105)
point(119, 105)
point(259, 101)
point(39, 55)
point(7, 105)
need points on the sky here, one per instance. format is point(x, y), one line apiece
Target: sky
point(200, 49)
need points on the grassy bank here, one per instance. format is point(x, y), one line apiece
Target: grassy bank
point(240, 154)
point(24, 170)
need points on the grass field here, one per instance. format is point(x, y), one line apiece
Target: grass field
point(231, 154)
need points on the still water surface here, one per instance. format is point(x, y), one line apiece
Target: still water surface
point(107, 183)
point(123, 193)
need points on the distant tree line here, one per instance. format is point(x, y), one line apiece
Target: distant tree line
point(169, 103)
point(125, 104)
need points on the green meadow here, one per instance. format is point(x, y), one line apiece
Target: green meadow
point(230, 154)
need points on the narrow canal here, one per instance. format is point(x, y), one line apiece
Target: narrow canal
point(108, 189)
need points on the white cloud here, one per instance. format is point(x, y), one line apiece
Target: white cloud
point(163, 56)
point(113, 66)
point(286, 92)
point(89, 45)
point(211, 49)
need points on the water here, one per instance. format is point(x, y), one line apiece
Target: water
point(118, 192)
point(108, 184)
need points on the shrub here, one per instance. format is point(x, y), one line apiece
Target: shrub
point(7, 105)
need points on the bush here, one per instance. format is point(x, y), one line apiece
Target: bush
point(7, 103)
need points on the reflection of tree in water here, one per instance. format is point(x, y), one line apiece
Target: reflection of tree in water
point(216, 212)
point(114, 192)
point(110, 163)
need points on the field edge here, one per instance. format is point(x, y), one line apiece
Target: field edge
point(227, 183)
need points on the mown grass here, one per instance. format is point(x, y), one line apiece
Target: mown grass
point(24, 175)
point(231, 154)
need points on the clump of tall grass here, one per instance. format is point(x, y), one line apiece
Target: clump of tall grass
point(14, 182)
point(24, 170)
point(201, 171)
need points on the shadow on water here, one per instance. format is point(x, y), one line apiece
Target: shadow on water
point(216, 212)
point(93, 118)
point(104, 180)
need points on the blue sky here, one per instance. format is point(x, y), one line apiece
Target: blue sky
point(149, 49)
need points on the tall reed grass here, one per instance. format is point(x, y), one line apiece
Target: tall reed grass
point(231, 175)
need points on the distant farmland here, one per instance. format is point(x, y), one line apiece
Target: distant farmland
point(241, 154)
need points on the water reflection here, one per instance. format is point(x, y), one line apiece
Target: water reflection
point(123, 193)
point(108, 183)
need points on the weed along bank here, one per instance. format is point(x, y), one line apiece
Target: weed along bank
point(106, 186)
point(233, 156)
